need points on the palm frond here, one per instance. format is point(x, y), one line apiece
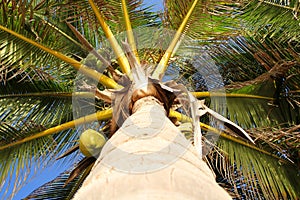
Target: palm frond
point(242, 59)
point(255, 175)
point(31, 104)
point(21, 117)
point(18, 107)
point(28, 21)
point(56, 189)
point(246, 174)
point(16, 162)
point(250, 113)
point(249, 178)
point(106, 81)
point(268, 19)
point(140, 15)
point(283, 141)
point(20, 56)
point(210, 21)
point(35, 144)
point(15, 82)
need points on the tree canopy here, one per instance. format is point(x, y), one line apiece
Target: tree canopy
point(253, 45)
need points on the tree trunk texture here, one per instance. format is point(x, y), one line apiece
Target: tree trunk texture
point(149, 158)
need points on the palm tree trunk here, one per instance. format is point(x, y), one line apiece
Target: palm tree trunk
point(149, 158)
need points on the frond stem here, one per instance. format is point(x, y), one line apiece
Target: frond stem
point(129, 32)
point(100, 115)
point(51, 94)
point(121, 58)
point(234, 95)
point(162, 65)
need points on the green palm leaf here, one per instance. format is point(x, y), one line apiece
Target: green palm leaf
point(255, 174)
point(210, 21)
point(267, 19)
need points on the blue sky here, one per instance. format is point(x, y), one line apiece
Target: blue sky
point(158, 4)
point(45, 175)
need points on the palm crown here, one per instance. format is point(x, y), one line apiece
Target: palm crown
point(253, 44)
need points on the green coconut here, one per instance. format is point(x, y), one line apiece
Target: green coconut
point(91, 142)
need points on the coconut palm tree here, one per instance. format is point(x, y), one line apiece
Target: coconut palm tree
point(58, 60)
